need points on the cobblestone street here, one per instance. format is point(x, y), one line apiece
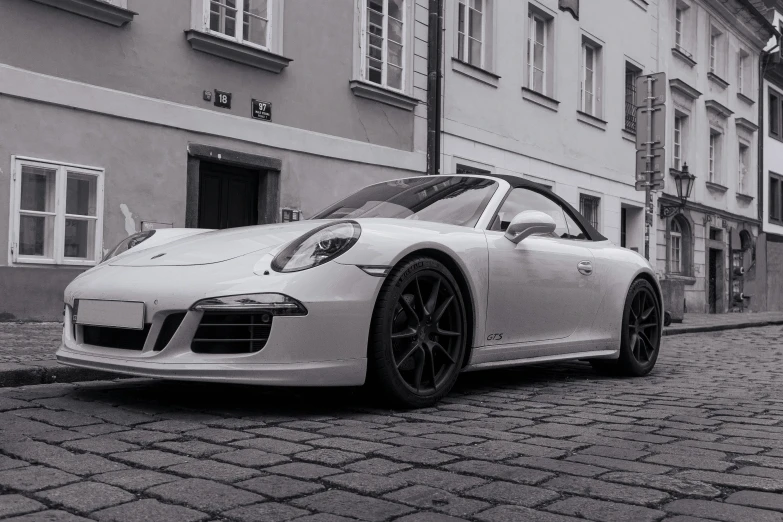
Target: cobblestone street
point(701, 438)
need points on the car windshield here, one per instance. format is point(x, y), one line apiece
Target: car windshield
point(452, 200)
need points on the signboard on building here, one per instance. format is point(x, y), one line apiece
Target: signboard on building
point(290, 214)
point(222, 99)
point(262, 110)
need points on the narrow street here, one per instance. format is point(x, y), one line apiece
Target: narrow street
point(701, 437)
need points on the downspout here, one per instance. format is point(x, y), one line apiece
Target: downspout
point(760, 183)
point(434, 52)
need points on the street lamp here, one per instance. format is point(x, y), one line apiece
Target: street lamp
point(683, 182)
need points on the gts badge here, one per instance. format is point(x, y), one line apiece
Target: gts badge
point(495, 337)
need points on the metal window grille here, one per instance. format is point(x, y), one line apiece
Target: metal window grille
point(588, 207)
point(630, 100)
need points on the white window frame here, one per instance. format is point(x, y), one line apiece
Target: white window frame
point(363, 46)
point(463, 6)
point(240, 27)
point(531, 51)
point(712, 171)
point(583, 79)
point(61, 185)
point(741, 72)
point(678, 21)
point(743, 167)
point(714, 51)
point(678, 142)
point(675, 247)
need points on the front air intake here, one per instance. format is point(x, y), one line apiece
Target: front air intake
point(232, 333)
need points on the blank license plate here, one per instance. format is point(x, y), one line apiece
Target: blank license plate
point(117, 314)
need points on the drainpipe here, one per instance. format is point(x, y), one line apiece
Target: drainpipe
point(434, 55)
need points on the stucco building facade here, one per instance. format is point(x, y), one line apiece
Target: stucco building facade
point(123, 115)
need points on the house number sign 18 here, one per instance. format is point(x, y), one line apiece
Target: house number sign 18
point(222, 99)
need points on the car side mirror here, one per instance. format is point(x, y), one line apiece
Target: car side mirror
point(529, 222)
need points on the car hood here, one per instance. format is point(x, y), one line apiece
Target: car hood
point(218, 246)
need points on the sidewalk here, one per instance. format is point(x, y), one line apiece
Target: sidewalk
point(27, 349)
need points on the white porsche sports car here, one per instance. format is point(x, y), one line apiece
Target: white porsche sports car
point(402, 285)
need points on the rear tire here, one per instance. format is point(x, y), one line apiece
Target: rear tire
point(418, 335)
point(640, 339)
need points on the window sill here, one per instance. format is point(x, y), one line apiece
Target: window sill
point(95, 9)
point(688, 280)
point(629, 135)
point(715, 187)
point(477, 73)
point(744, 198)
point(540, 99)
point(684, 56)
point(776, 138)
point(717, 80)
point(746, 99)
point(236, 52)
point(380, 94)
point(591, 120)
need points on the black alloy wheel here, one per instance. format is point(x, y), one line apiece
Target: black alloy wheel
point(418, 337)
point(641, 334)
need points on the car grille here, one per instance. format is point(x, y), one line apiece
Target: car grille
point(121, 338)
point(168, 329)
point(227, 333)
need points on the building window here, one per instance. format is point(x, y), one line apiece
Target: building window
point(467, 169)
point(57, 213)
point(384, 57)
point(675, 247)
point(744, 76)
point(715, 155)
point(678, 141)
point(536, 53)
point(679, 13)
point(588, 207)
point(713, 52)
point(246, 21)
point(470, 32)
point(742, 177)
point(631, 75)
point(774, 115)
point(590, 78)
point(684, 28)
point(717, 52)
point(776, 198)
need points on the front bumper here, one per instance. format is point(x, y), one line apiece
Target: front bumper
point(327, 347)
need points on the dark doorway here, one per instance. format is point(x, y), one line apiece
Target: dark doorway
point(228, 196)
point(714, 285)
point(623, 227)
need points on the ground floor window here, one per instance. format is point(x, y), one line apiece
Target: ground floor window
point(775, 198)
point(679, 246)
point(675, 248)
point(588, 207)
point(57, 213)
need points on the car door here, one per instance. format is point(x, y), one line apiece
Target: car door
point(543, 288)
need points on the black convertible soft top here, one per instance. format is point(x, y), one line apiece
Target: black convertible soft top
point(517, 182)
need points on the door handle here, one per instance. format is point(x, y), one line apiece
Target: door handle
point(585, 267)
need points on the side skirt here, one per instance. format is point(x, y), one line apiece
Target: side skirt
point(601, 354)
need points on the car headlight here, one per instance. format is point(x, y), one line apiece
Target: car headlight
point(317, 247)
point(128, 243)
point(273, 304)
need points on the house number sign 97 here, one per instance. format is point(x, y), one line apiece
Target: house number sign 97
point(262, 110)
point(222, 99)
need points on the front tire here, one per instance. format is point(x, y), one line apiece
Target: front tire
point(418, 335)
point(641, 334)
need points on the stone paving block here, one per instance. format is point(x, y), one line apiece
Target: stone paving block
point(732, 480)
point(556, 443)
point(425, 497)
point(144, 437)
point(603, 511)
point(759, 471)
point(251, 458)
point(591, 438)
point(614, 453)
point(453, 438)
point(205, 495)
point(366, 483)
point(291, 435)
point(446, 480)
point(9, 463)
point(493, 470)
point(213, 470)
point(218, 435)
point(99, 429)
point(34, 478)
point(352, 445)
point(377, 466)
point(325, 517)
point(416, 455)
point(62, 419)
point(425, 516)
point(721, 511)
point(191, 448)
point(757, 499)
point(279, 447)
point(57, 436)
point(510, 493)
point(267, 511)
point(502, 450)
point(688, 434)
point(11, 505)
point(7, 404)
point(279, 487)
point(303, 470)
point(86, 497)
point(136, 480)
point(329, 457)
point(373, 435)
point(53, 515)
point(678, 486)
point(588, 487)
point(99, 445)
point(147, 510)
point(419, 442)
point(726, 446)
point(559, 466)
point(79, 464)
point(172, 426)
point(687, 461)
point(620, 464)
point(552, 429)
point(151, 458)
point(520, 514)
point(348, 504)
